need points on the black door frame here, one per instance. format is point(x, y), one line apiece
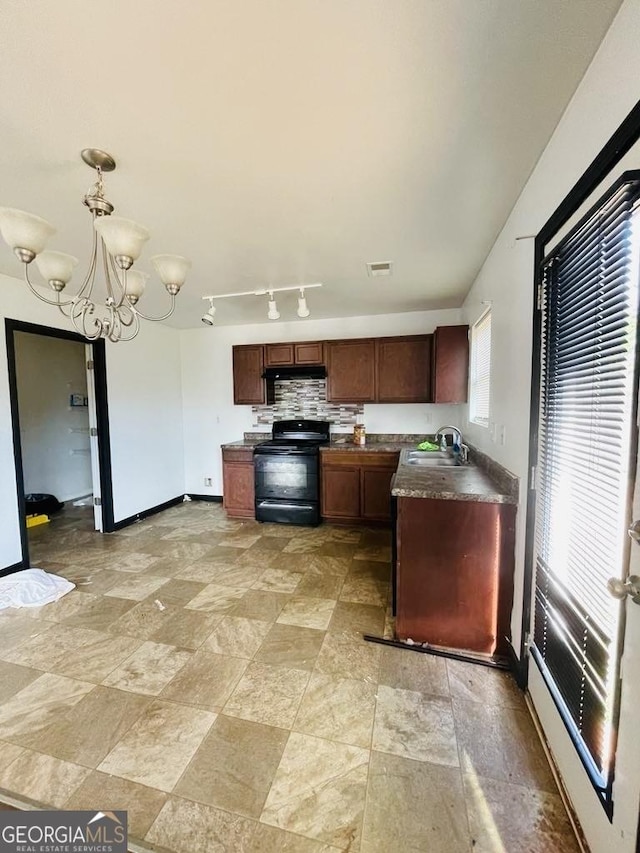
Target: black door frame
point(102, 418)
point(624, 138)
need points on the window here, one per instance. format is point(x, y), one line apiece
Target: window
point(586, 425)
point(480, 380)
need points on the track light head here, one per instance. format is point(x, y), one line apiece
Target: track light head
point(303, 310)
point(207, 318)
point(273, 313)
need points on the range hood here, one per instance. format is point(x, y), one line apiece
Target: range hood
point(299, 371)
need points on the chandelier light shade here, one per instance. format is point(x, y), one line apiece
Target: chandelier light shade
point(117, 244)
point(273, 313)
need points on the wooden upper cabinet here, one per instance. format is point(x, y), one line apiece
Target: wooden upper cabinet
point(404, 369)
point(351, 371)
point(451, 364)
point(278, 354)
point(248, 367)
point(309, 352)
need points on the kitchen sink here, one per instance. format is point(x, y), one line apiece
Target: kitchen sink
point(431, 459)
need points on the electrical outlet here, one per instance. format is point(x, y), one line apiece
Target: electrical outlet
point(208, 481)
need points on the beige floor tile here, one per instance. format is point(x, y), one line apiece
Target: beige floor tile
point(278, 580)
point(481, 684)
point(501, 743)
point(143, 619)
point(42, 778)
point(337, 709)
point(291, 646)
point(112, 793)
point(363, 618)
point(413, 725)
point(149, 669)
point(159, 746)
point(321, 566)
point(235, 574)
point(186, 628)
point(374, 569)
point(16, 629)
point(95, 659)
point(365, 590)
point(239, 540)
point(207, 680)
point(180, 592)
point(234, 767)
point(268, 694)
point(131, 562)
point(261, 605)
point(86, 732)
point(189, 552)
point(378, 553)
point(270, 839)
point(303, 545)
point(412, 805)
point(320, 586)
point(345, 654)
point(137, 587)
point(504, 817)
point(308, 612)
point(9, 752)
point(416, 671)
point(35, 706)
point(168, 567)
point(237, 636)
point(94, 582)
point(346, 535)
point(216, 598)
point(99, 615)
point(319, 791)
point(71, 603)
point(49, 647)
point(14, 678)
point(337, 549)
point(187, 827)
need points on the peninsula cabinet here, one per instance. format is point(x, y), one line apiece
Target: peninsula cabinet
point(248, 367)
point(403, 369)
point(351, 371)
point(450, 364)
point(356, 487)
point(238, 497)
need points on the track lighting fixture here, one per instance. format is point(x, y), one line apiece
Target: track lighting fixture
point(207, 318)
point(273, 313)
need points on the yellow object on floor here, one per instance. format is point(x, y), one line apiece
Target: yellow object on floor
point(34, 520)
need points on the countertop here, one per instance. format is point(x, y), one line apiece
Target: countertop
point(459, 483)
point(335, 444)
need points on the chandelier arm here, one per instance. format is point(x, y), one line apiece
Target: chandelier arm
point(55, 302)
point(91, 270)
point(134, 325)
point(164, 316)
point(107, 277)
point(122, 286)
point(125, 311)
point(84, 309)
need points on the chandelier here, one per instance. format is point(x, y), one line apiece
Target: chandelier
point(117, 243)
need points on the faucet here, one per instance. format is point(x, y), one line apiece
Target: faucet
point(457, 440)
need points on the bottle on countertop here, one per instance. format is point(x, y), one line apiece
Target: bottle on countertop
point(359, 435)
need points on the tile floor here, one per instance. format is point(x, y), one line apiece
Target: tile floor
point(209, 675)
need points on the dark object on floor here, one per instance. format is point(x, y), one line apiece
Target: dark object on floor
point(37, 504)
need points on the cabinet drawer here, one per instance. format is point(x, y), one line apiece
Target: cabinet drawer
point(240, 454)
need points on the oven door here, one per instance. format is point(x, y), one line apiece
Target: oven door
point(292, 477)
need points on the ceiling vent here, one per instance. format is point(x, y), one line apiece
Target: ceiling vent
point(375, 268)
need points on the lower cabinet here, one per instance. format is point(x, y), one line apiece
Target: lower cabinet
point(356, 486)
point(454, 573)
point(238, 482)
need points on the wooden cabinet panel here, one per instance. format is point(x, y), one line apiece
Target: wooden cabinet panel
point(309, 352)
point(248, 367)
point(376, 493)
point(351, 371)
point(238, 483)
point(278, 354)
point(451, 364)
point(404, 369)
point(340, 492)
point(454, 582)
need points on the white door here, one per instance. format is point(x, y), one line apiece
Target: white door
point(93, 438)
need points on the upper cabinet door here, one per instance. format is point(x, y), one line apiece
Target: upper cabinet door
point(309, 352)
point(278, 354)
point(451, 364)
point(351, 371)
point(404, 369)
point(248, 367)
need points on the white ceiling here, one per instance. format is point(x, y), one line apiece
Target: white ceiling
point(281, 141)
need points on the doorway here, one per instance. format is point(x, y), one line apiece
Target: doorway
point(58, 395)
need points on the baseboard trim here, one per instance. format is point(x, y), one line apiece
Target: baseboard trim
point(16, 567)
point(145, 513)
point(492, 662)
point(216, 499)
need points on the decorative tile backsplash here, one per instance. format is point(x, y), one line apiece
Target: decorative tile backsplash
point(306, 398)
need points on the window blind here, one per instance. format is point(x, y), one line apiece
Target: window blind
point(587, 399)
point(480, 381)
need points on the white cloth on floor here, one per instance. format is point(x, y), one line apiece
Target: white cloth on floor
point(32, 588)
